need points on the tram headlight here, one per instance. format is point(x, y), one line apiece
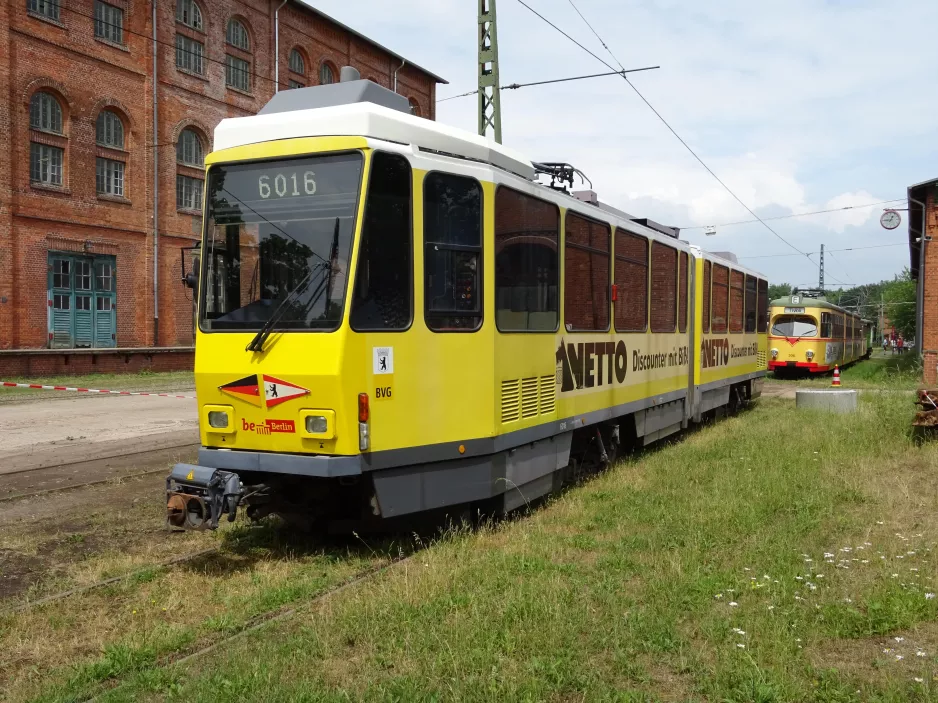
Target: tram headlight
point(218, 419)
point(809, 355)
point(317, 424)
point(775, 353)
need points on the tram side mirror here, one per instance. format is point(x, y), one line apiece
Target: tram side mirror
point(189, 279)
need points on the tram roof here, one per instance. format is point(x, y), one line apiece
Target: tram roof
point(366, 119)
point(804, 302)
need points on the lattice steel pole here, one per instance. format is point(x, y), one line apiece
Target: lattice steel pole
point(821, 271)
point(490, 105)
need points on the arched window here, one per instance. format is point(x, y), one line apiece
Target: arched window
point(326, 74)
point(46, 160)
point(189, 149)
point(188, 12)
point(237, 35)
point(109, 130)
point(45, 113)
point(414, 107)
point(297, 64)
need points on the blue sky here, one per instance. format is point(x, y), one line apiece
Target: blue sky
point(797, 106)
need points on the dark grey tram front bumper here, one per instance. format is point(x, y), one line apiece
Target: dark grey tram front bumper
point(197, 496)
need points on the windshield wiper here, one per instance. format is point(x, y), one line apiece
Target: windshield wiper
point(257, 343)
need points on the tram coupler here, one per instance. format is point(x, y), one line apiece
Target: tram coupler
point(197, 497)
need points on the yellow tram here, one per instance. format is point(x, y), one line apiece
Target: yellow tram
point(395, 317)
point(810, 334)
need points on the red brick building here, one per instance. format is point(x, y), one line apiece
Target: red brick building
point(83, 83)
point(923, 230)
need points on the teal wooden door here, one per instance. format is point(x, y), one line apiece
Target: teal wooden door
point(60, 302)
point(105, 298)
point(82, 301)
point(83, 313)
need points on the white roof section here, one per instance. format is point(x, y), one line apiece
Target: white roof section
point(369, 120)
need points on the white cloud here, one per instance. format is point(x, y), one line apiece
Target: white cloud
point(839, 221)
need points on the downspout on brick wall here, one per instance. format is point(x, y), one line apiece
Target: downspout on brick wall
point(920, 288)
point(277, 47)
point(156, 194)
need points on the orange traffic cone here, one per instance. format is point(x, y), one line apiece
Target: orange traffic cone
point(836, 381)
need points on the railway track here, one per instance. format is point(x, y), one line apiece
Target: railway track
point(107, 582)
point(118, 455)
point(261, 621)
point(76, 486)
point(158, 455)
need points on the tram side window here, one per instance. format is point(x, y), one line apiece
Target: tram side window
point(751, 298)
point(663, 288)
point(827, 325)
point(586, 275)
point(705, 317)
point(631, 279)
point(682, 294)
point(763, 306)
point(719, 305)
point(383, 298)
point(838, 326)
point(452, 227)
point(736, 301)
point(527, 263)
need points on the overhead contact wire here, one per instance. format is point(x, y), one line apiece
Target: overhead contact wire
point(659, 116)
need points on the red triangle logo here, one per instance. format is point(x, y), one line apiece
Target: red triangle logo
point(245, 389)
point(277, 391)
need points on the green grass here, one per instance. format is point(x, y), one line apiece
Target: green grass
point(896, 372)
point(808, 543)
point(135, 382)
point(73, 648)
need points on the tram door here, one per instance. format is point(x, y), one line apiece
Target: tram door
point(82, 301)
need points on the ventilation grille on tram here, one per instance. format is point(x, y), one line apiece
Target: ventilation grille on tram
point(760, 360)
point(548, 390)
point(511, 400)
point(525, 398)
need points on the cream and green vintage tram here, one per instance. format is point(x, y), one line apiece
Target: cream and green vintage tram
point(811, 335)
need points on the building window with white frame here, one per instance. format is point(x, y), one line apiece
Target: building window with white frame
point(237, 35)
point(108, 22)
point(110, 177)
point(188, 192)
point(45, 164)
point(190, 55)
point(189, 14)
point(237, 73)
point(189, 150)
point(109, 130)
point(297, 62)
point(45, 113)
point(50, 9)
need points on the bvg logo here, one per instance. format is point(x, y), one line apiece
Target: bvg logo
point(715, 352)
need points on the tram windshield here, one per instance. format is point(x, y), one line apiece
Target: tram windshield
point(794, 326)
point(279, 230)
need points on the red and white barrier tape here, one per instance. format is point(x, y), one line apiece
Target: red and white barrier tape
point(36, 386)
